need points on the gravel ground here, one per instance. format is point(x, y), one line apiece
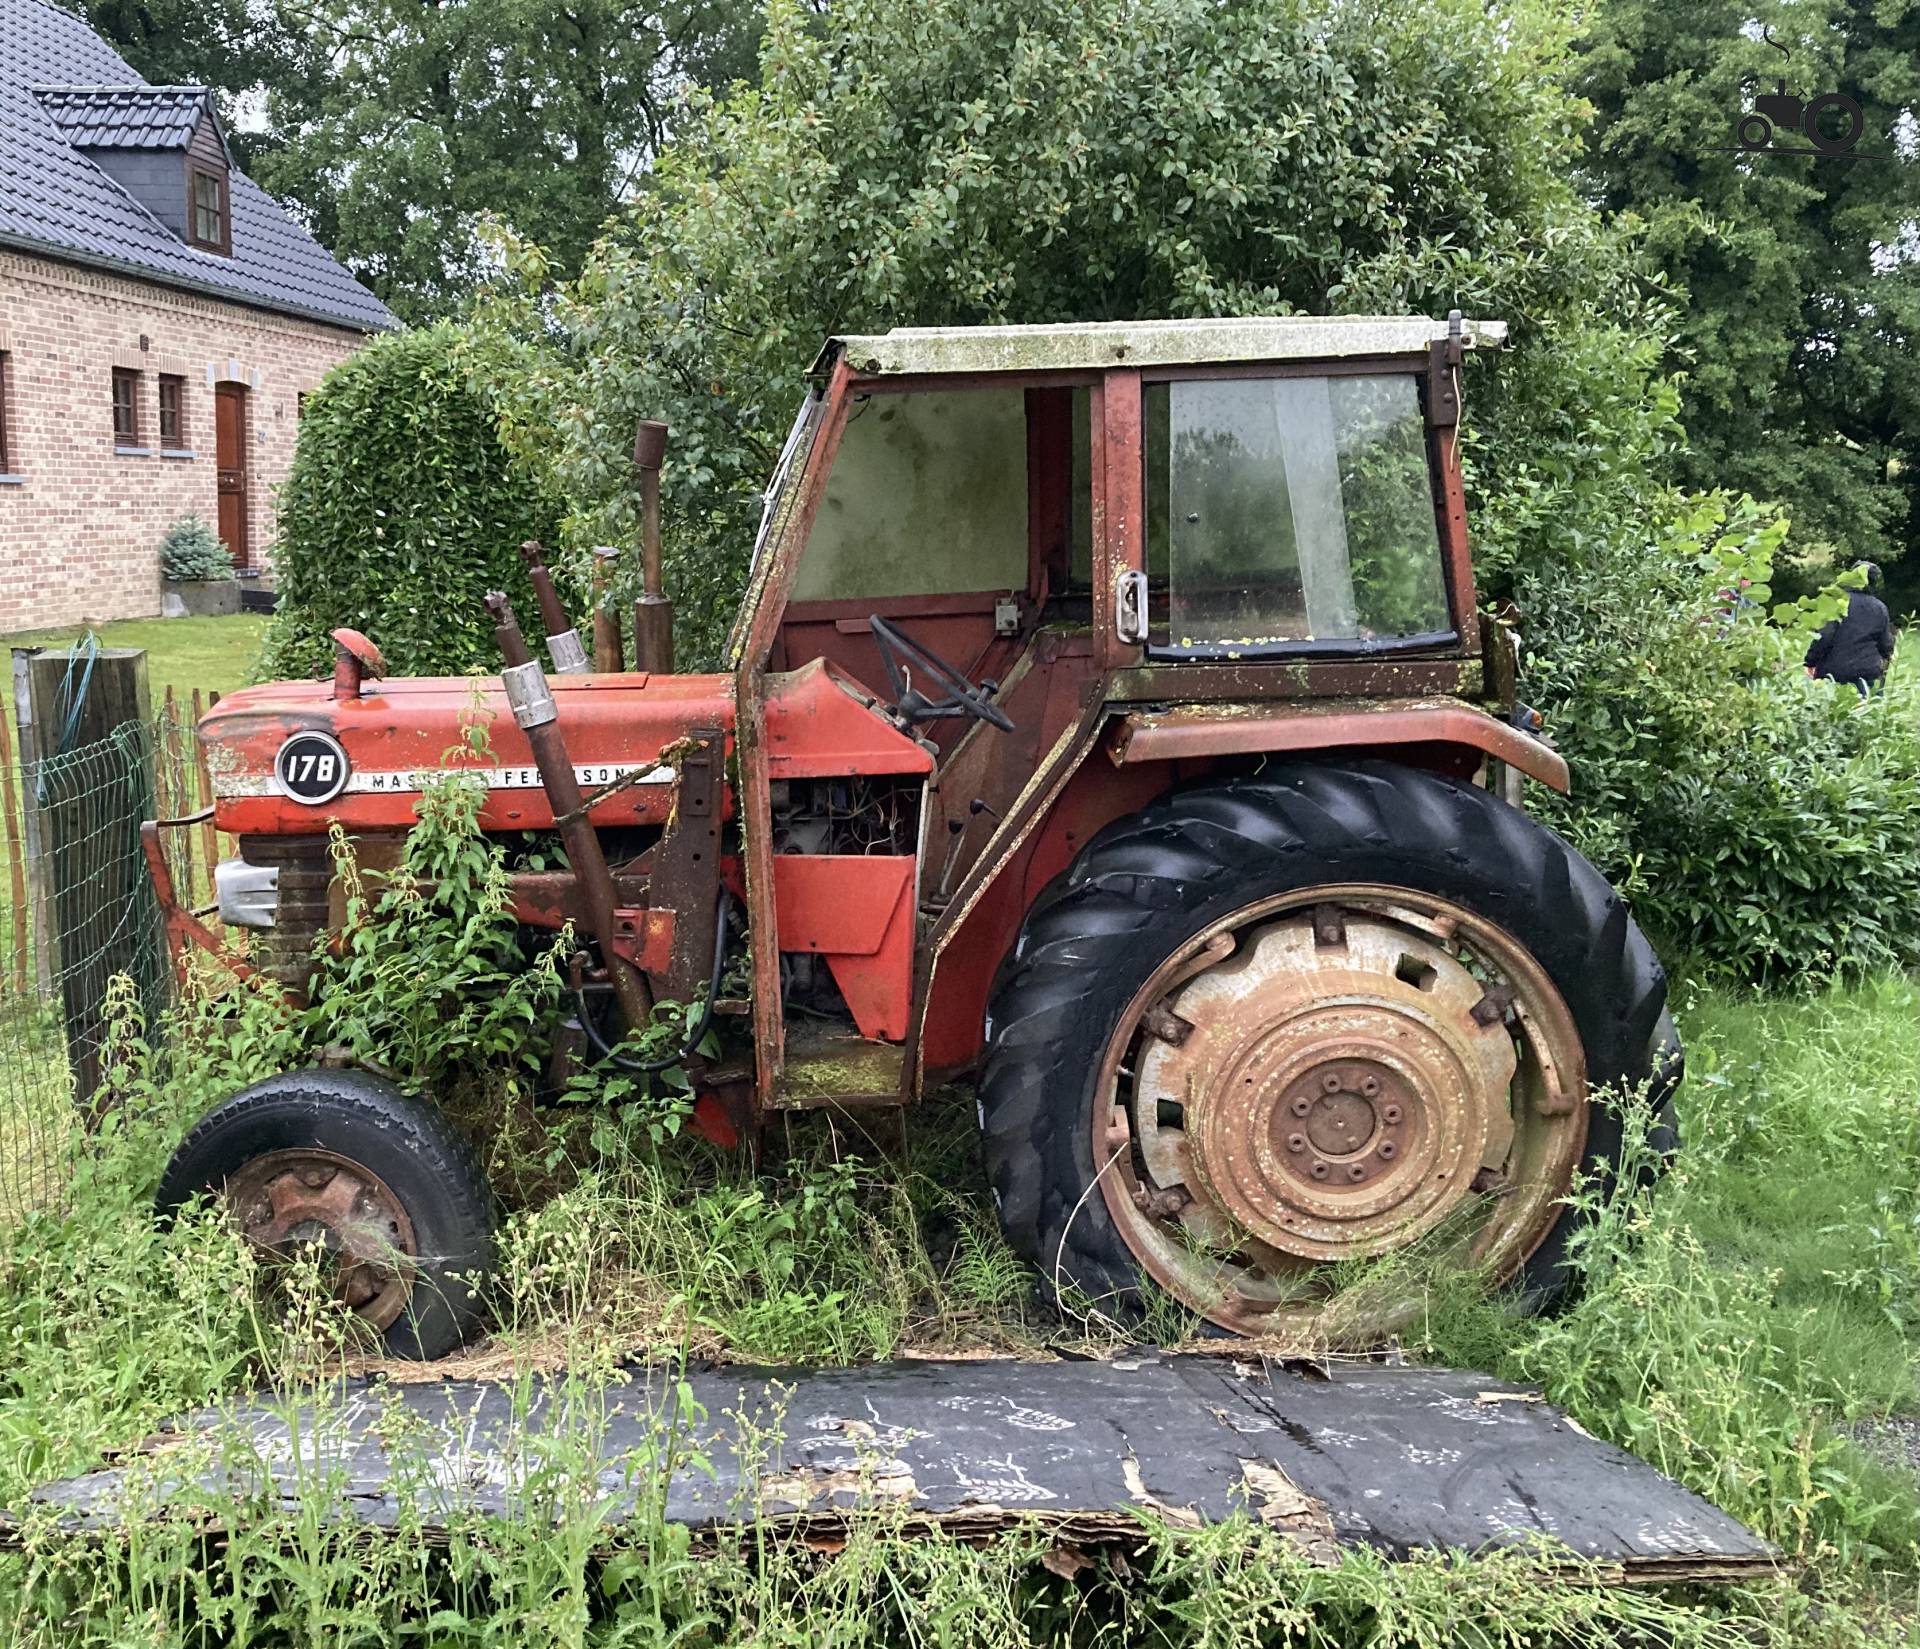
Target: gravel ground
point(1895, 1439)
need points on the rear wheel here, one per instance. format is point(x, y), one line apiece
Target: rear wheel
point(379, 1183)
point(1267, 1030)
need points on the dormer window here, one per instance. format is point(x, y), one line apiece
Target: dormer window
point(162, 145)
point(207, 222)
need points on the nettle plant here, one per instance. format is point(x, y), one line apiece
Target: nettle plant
point(431, 979)
point(191, 552)
point(429, 970)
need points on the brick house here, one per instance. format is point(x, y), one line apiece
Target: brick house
point(160, 319)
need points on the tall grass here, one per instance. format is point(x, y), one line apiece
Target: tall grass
point(1732, 1323)
point(1768, 1289)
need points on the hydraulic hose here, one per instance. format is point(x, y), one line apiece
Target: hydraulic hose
point(651, 1067)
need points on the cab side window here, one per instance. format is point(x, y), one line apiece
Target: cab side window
point(1291, 510)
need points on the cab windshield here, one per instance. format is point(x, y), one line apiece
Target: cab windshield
point(1289, 513)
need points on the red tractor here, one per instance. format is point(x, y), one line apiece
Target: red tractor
point(1109, 719)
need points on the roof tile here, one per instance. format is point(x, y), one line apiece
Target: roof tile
point(63, 90)
point(125, 117)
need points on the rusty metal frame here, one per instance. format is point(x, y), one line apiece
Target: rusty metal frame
point(182, 927)
point(1398, 675)
point(1443, 459)
point(686, 862)
point(1119, 511)
point(769, 599)
point(1245, 729)
point(1028, 813)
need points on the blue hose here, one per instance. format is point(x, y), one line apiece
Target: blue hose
point(73, 697)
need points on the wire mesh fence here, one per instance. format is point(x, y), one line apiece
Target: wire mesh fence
point(80, 909)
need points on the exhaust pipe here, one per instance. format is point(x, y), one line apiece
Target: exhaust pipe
point(609, 650)
point(563, 640)
point(653, 612)
point(533, 708)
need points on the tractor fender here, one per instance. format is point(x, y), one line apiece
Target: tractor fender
point(1373, 726)
point(1075, 795)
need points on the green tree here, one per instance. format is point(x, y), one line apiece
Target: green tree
point(185, 42)
point(400, 512)
point(1800, 336)
point(399, 125)
point(1025, 160)
point(217, 43)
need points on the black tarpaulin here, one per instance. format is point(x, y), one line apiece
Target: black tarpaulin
point(1395, 1458)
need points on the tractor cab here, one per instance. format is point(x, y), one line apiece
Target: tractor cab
point(1207, 538)
point(1109, 721)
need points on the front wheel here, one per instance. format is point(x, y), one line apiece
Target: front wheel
point(380, 1184)
point(1291, 1046)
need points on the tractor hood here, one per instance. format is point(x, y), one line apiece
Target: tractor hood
point(289, 758)
point(269, 776)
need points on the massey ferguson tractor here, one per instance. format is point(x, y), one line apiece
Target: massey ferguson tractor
point(1109, 721)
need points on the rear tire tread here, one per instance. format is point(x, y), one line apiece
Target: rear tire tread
point(1146, 882)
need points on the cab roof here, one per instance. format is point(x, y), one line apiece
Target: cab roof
point(1086, 345)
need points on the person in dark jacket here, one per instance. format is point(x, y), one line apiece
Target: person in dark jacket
point(1856, 649)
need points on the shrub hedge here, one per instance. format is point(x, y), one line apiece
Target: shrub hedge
point(401, 511)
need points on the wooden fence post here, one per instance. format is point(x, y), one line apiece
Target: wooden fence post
point(86, 824)
point(20, 707)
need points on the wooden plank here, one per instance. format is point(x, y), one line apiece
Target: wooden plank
point(203, 791)
point(21, 712)
point(167, 796)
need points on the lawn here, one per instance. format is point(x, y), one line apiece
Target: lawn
point(211, 654)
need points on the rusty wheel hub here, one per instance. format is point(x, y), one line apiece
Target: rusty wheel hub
point(1333, 1077)
point(288, 1200)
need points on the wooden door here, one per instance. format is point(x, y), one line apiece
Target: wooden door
point(230, 455)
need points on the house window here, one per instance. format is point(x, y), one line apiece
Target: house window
point(207, 215)
point(173, 411)
point(126, 408)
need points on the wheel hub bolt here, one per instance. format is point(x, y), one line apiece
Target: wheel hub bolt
point(1390, 1114)
point(1369, 1085)
point(1318, 1170)
point(1302, 1106)
point(1356, 1171)
point(1330, 1082)
point(1388, 1150)
point(1296, 1142)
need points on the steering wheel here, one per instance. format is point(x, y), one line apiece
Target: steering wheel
point(910, 706)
